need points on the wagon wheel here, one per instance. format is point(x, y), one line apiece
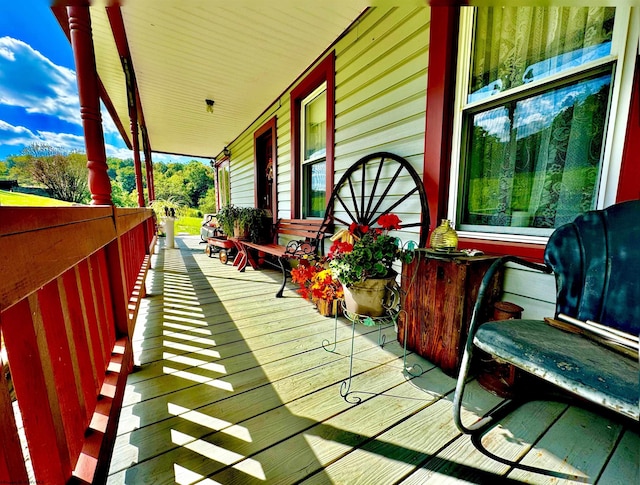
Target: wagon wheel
point(208, 250)
point(223, 256)
point(379, 184)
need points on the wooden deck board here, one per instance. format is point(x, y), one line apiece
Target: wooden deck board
point(235, 387)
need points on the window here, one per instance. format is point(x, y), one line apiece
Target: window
point(224, 189)
point(312, 133)
point(313, 127)
point(535, 117)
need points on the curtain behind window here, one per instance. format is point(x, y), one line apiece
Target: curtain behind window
point(534, 160)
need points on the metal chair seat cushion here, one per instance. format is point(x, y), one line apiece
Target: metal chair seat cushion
point(568, 360)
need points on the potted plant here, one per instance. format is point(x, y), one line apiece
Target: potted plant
point(318, 285)
point(245, 222)
point(256, 224)
point(365, 267)
point(227, 218)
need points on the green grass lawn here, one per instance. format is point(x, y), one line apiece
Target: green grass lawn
point(189, 225)
point(17, 199)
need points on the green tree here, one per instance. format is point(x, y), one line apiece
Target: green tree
point(122, 198)
point(170, 187)
point(198, 180)
point(64, 176)
point(208, 203)
point(127, 177)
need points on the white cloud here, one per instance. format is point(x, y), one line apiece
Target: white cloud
point(16, 135)
point(31, 81)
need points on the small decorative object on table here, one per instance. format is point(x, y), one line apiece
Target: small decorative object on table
point(444, 237)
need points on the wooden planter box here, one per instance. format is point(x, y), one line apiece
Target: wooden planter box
point(438, 302)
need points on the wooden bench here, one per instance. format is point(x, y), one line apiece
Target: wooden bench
point(309, 235)
point(596, 263)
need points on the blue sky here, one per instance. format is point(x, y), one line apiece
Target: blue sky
point(38, 90)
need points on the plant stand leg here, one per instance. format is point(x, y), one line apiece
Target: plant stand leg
point(326, 344)
point(416, 369)
point(345, 386)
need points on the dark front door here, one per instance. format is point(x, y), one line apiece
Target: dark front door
point(265, 171)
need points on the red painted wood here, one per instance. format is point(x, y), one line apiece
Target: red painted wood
point(628, 185)
point(66, 370)
point(82, 347)
point(441, 80)
point(324, 71)
point(88, 93)
point(12, 469)
point(88, 300)
point(99, 264)
point(34, 381)
point(118, 287)
point(532, 252)
point(269, 126)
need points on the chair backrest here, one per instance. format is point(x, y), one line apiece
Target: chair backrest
point(596, 261)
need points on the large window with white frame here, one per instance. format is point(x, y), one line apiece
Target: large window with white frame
point(313, 131)
point(535, 114)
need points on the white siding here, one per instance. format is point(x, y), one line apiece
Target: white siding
point(381, 81)
point(532, 290)
point(381, 66)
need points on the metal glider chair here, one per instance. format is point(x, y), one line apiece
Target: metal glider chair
point(596, 263)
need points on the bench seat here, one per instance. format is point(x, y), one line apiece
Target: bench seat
point(568, 360)
point(309, 236)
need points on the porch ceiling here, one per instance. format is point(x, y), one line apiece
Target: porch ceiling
point(241, 54)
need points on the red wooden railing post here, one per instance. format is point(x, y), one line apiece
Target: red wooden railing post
point(84, 55)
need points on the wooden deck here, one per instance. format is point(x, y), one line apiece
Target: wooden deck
point(234, 387)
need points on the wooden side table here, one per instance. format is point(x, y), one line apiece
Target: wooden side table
point(438, 298)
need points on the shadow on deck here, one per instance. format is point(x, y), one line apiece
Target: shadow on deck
point(233, 386)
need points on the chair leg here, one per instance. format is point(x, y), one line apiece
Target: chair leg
point(284, 278)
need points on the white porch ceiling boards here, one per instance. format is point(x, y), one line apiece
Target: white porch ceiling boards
point(242, 54)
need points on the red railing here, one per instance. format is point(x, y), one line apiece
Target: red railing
point(69, 294)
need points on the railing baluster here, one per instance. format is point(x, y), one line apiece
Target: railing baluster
point(80, 343)
point(34, 382)
point(12, 468)
point(67, 323)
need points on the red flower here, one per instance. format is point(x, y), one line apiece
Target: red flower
point(340, 247)
point(389, 221)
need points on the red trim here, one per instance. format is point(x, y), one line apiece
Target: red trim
point(532, 252)
point(628, 187)
point(441, 81)
point(325, 71)
point(271, 126)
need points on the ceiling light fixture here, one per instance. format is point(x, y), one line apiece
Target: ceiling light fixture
point(226, 152)
point(210, 103)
